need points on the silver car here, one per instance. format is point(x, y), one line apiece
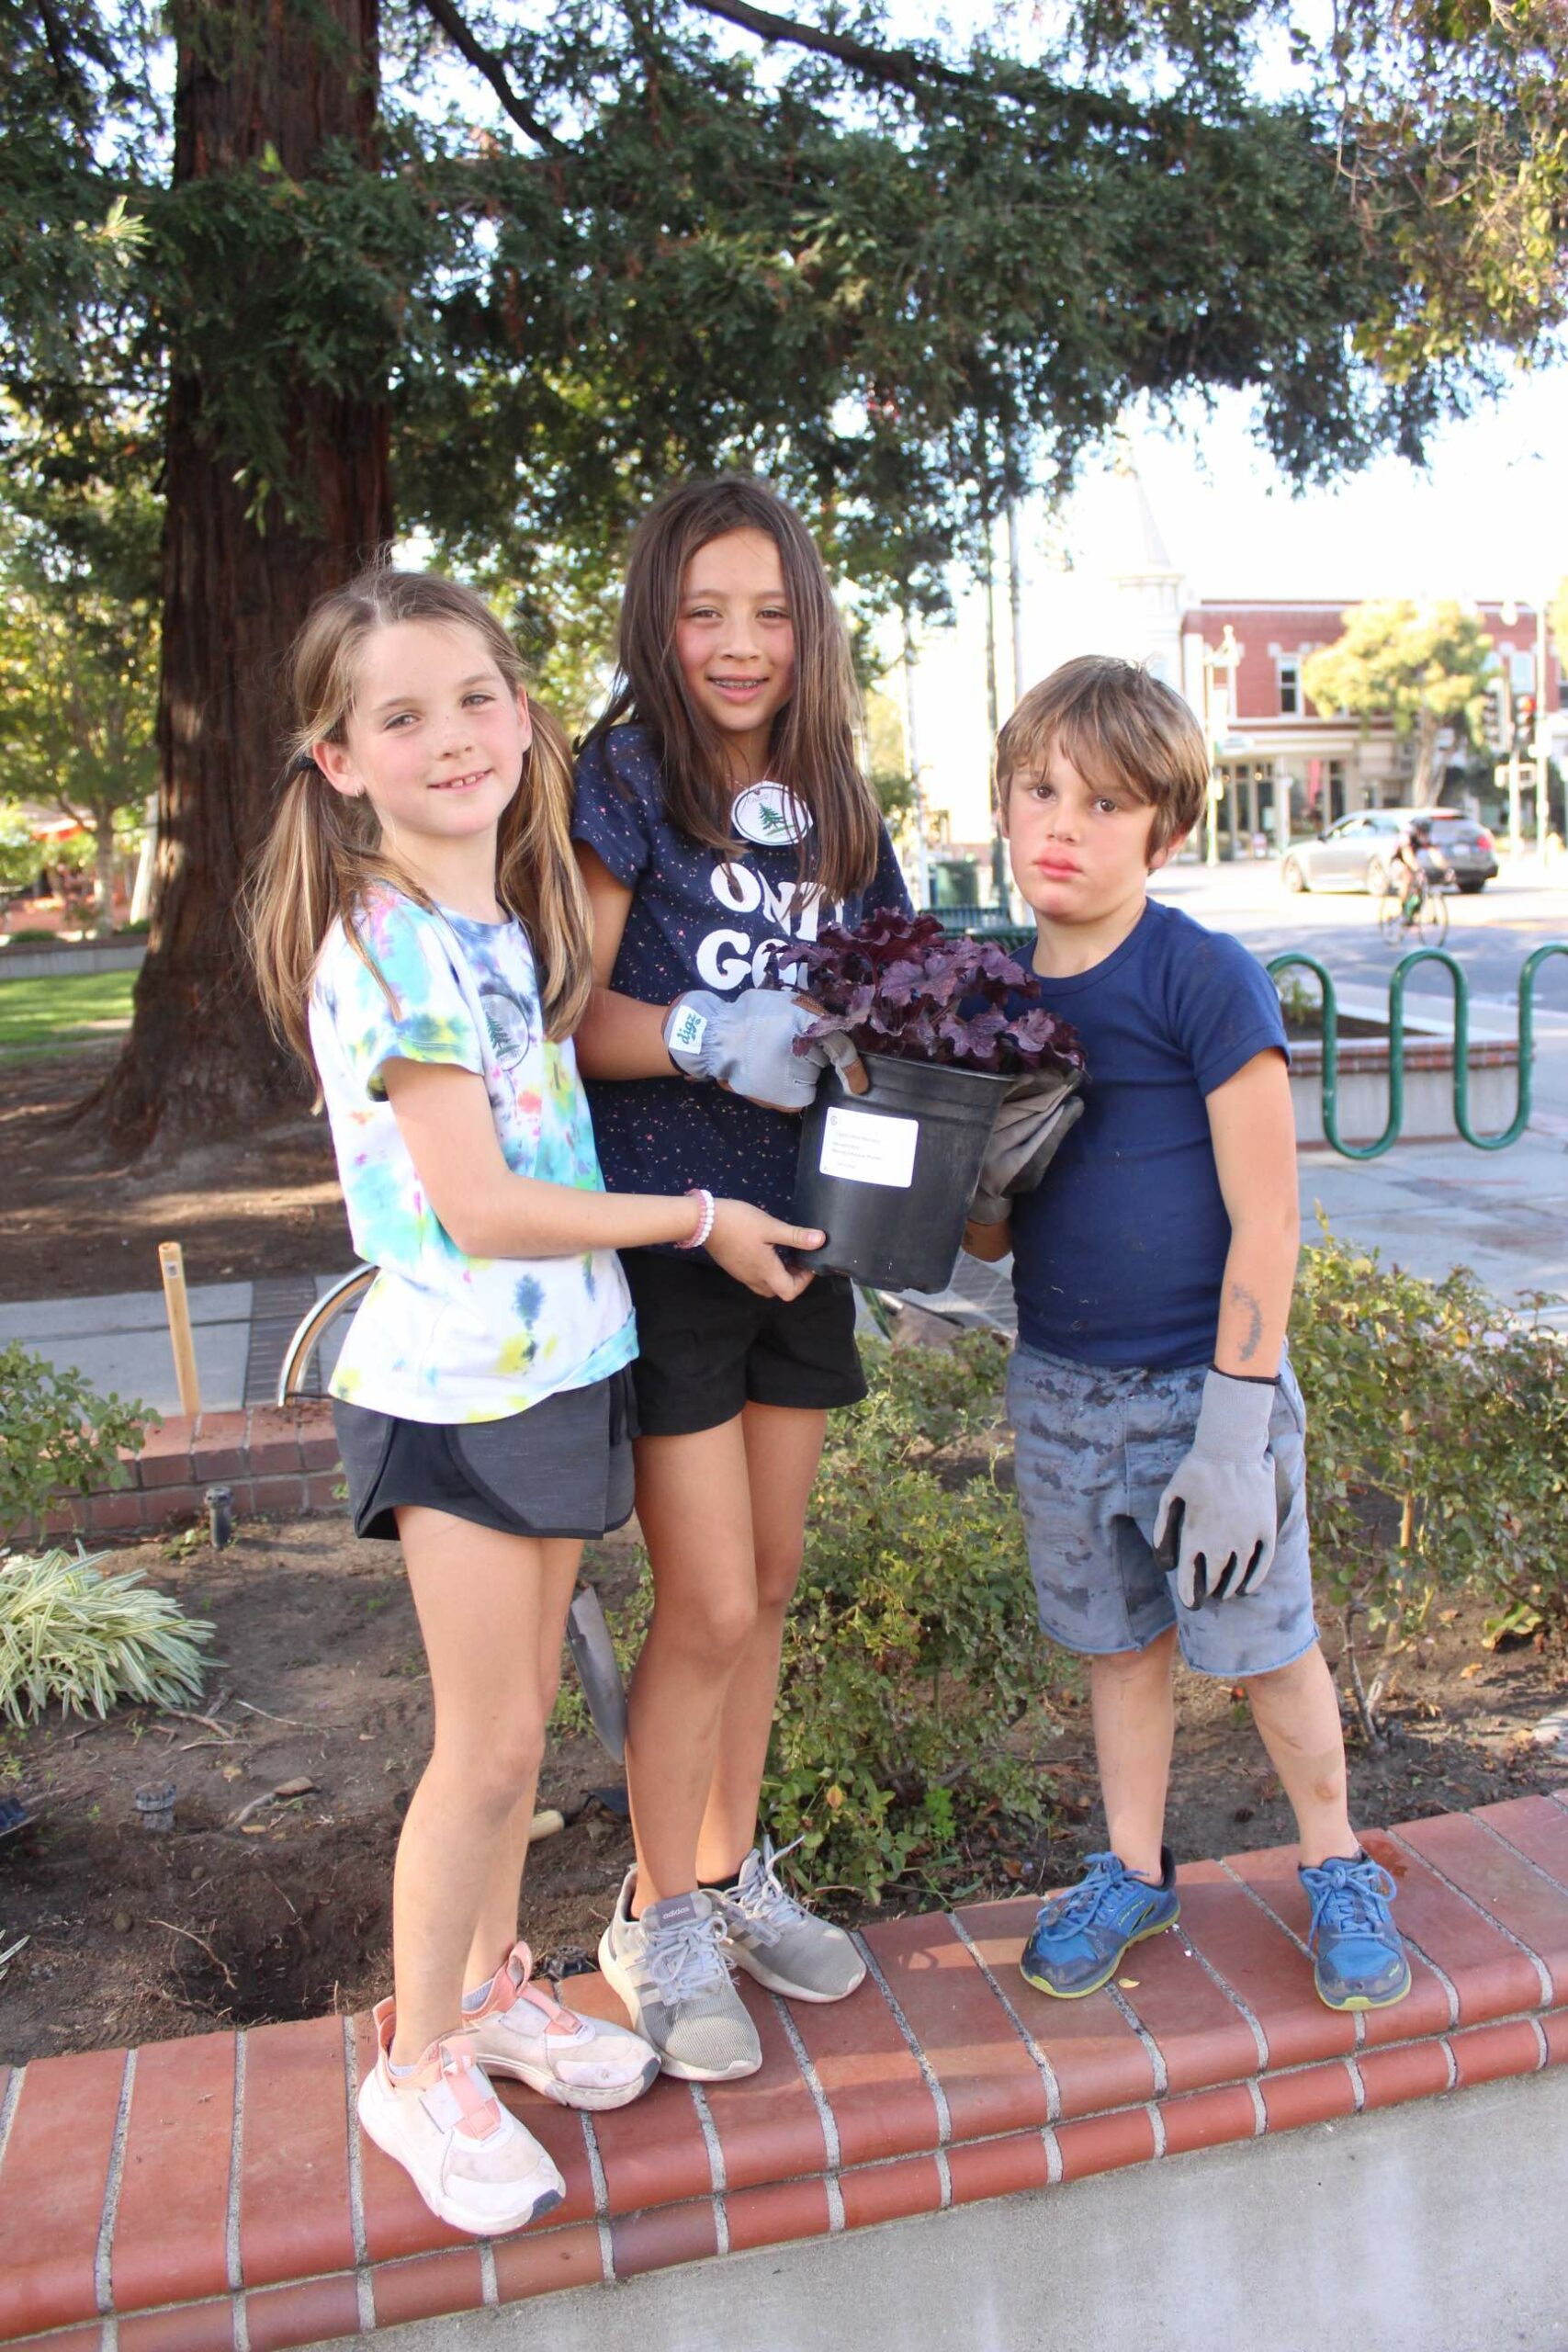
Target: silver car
point(1356, 853)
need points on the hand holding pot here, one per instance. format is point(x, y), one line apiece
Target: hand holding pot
point(748, 1042)
point(1037, 1110)
point(1218, 1520)
point(746, 1242)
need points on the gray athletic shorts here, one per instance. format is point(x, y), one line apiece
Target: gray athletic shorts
point(1095, 1449)
point(563, 1468)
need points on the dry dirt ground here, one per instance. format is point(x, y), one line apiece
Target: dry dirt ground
point(73, 1225)
point(317, 1675)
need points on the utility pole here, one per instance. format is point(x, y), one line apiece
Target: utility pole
point(912, 752)
point(1015, 598)
point(1000, 876)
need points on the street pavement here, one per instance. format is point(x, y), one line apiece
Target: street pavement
point(1429, 1206)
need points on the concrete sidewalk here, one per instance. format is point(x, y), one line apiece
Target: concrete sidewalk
point(121, 1343)
point(1429, 1206)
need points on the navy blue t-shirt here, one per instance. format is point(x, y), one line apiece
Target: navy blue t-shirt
point(696, 922)
point(1118, 1258)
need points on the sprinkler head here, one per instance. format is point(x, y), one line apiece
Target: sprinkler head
point(221, 1516)
point(155, 1804)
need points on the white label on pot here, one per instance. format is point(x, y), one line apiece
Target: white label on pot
point(869, 1150)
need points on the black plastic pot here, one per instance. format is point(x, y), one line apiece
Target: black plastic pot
point(889, 1175)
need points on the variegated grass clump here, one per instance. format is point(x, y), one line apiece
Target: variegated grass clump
point(90, 1641)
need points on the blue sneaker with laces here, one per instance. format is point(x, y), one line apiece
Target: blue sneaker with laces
point(1358, 1960)
point(1080, 1936)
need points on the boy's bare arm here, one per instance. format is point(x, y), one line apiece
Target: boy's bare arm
point(1253, 1129)
point(988, 1242)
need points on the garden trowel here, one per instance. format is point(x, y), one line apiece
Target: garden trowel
point(594, 1655)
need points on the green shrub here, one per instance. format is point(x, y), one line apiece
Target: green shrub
point(67, 1633)
point(913, 1668)
point(1436, 1440)
point(58, 1436)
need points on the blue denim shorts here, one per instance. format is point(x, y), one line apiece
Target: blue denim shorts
point(1095, 1449)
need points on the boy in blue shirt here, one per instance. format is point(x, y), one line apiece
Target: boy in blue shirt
point(1159, 1427)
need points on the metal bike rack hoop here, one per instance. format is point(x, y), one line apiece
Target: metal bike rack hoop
point(1397, 985)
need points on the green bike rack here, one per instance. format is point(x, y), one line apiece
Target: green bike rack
point(1402, 972)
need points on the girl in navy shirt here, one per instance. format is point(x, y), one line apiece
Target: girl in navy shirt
point(720, 813)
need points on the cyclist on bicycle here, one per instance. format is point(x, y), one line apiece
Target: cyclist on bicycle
point(1415, 865)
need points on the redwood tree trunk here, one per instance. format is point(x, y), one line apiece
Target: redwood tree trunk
point(199, 1059)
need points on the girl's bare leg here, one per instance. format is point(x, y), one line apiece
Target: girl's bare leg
point(695, 1507)
point(496, 1929)
point(783, 1446)
point(481, 1602)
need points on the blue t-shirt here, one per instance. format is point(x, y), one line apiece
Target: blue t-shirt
point(1118, 1258)
point(696, 922)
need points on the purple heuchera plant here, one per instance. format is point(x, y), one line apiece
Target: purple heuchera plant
point(902, 985)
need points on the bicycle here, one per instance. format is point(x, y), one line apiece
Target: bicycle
point(1420, 911)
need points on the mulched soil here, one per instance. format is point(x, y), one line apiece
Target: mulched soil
point(134, 1937)
point(75, 1224)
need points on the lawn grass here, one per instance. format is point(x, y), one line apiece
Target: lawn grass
point(64, 1010)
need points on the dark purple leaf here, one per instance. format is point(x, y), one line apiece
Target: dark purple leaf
point(900, 985)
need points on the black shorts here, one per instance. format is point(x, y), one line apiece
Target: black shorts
point(563, 1468)
point(708, 1345)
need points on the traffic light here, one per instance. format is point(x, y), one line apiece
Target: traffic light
point(1524, 722)
point(1494, 717)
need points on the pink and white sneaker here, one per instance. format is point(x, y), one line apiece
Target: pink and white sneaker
point(469, 2158)
point(521, 2030)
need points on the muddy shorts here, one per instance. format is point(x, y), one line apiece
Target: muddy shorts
point(563, 1468)
point(1096, 1449)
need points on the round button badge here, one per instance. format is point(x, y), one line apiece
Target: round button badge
point(770, 815)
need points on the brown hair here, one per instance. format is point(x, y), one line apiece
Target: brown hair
point(813, 748)
point(323, 853)
point(1117, 725)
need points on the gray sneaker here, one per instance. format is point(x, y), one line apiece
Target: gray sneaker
point(776, 1940)
point(669, 1969)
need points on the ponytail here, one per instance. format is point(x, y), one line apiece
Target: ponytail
point(537, 876)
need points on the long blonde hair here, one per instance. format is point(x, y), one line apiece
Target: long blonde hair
point(323, 853)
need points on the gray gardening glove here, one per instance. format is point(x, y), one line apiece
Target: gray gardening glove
point(1038, 1108)
point(747, 1043)
point(1218, 1519)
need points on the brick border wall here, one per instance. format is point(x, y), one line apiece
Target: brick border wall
point(279, 1462)
point(218, 2195)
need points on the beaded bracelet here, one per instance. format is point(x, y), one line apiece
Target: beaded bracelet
point(705, 1223)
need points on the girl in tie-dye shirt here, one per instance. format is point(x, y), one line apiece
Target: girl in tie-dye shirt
point(422, 939)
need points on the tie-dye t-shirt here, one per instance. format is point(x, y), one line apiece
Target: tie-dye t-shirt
point(441, 1336)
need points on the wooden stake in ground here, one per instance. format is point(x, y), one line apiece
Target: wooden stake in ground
point(171, 1266)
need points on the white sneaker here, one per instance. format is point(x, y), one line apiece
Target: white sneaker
point(668, 1968)
point(521, 2030)
point(472, 2161)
